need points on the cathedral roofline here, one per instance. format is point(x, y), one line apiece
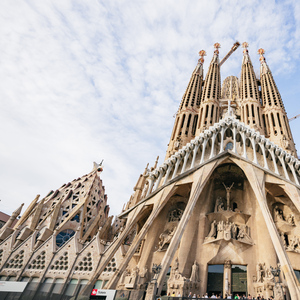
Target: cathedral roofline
point(171, 165)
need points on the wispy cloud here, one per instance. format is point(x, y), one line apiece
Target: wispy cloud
point(85, 81)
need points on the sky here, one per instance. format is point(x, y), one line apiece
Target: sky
point(83, 81)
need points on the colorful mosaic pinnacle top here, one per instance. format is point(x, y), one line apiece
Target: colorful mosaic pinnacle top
point(217, 46)
point(261, 52)
point(202, 53)
point(245, 45)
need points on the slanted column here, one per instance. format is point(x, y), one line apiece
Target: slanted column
point(281, 156)
point(203, 149)
point(165, 195)
point(186, 157)
point(243, 134)
point(213, 139)
point(262, 146)
point(271, 150)
point(151, 182)
point(203, 175)
point(291, 165)
point(222, 138)
point(194, 155)
point(170, 166)
point(161, 173)
point(254, 150)
point(257, 182)
point(234, 139)
point(178, 156)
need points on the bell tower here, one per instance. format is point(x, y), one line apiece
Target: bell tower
point(209, 107)
point(187, 115)
point(274, 114)
point(250, 103)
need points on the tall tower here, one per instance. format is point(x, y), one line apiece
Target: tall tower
point(274, 114)
point(250, 104)
point(187, 116)
point(209, 107)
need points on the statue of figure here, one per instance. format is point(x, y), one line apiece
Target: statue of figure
point(176, 264)
point(145, 189)
point(291, 219)
point(294, 243)
point(144, 272)
point(283, 239)
point(177, 143)
point(243, 234)
point(234, 229)
point(213, 229)
point(165, 238)
point(285, 143)
point(269, 275)
point(220, 228)
point(195, 272)
point(227, 188)
point(260, 272)
point(219, 206)
point(227, 230)
point(278, 214)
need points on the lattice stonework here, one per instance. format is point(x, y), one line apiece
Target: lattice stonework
point(62, 263)
point(111, 266)
point(38, 262)
point(17, 261)
point(86, 264)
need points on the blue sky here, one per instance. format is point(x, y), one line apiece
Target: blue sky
point(82, 81)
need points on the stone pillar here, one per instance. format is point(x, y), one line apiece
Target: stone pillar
point(197, 188)
point(256, 179)
point(227, 278)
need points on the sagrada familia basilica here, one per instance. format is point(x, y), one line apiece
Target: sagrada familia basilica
point(220, 215)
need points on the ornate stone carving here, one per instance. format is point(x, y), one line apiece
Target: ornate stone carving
point(175, 215)
point(227, 264)
point(165, 239)
point(294, 244)
point(219, 205)
point(195, 272)
point(229, 230)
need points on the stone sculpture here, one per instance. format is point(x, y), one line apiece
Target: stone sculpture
point(165, 239)
point(195, 272)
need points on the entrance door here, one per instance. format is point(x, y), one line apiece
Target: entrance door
point(239, 280)
point(215, 279)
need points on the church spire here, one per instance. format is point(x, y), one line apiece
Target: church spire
point(250, 104)
point(209, 106)
point(187, 116)
point(274, 114)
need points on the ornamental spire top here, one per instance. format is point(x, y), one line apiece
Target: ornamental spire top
point(246, 57)
point(216, 53)
point(264, 69)
point(199, 67)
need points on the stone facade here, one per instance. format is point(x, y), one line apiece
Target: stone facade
point(217, 216)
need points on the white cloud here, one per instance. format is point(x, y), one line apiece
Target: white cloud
point(85, 81)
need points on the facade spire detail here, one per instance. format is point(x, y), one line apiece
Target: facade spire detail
point(277, 127)
point(187, 115)
point(209, 106)
point(250, 103)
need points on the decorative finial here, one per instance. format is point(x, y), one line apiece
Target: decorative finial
point(202, 53)
point(217, 46)
point(261, 52)
point(245, 45)
point(98, 167)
